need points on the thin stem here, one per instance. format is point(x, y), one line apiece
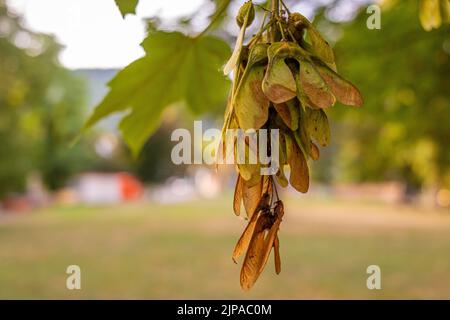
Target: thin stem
point(282, 32)
point(274, 186)
point(215, 17)
point(291, 35)
point(285, 7)
point(275, 6)
point(261, 7)
point(259, 34)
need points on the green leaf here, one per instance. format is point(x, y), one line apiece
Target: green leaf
point(176, 68)
point(127, 6)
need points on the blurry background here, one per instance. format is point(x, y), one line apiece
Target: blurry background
point(145, 228)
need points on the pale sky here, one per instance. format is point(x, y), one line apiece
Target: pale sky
point(96, 36)
point(93, 31)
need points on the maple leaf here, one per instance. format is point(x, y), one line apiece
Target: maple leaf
point(175, 69)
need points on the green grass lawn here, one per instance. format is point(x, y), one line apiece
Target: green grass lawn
point(184, 251)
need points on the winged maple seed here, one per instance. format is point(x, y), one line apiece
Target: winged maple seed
point(285, 78)
point(258, 239)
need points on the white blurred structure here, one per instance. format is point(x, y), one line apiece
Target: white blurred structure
point(201, 183)
point(107, 188)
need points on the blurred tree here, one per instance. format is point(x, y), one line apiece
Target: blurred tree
point(40, 108)
point(154, 163)
point(403, 72)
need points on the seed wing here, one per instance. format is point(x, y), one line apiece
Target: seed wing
point(344, 91)
point(237, 199)
point(299, 177)
point(272, 235)
point(318, 126)
point(251, 268)
point(288, 111)
point(279, 83)
point(251, 105)
point(234, 59)
point(314, 86)
point(251, 195)
point(277, 257)
point(244, 240)
point(315, 152)
point(281, 178)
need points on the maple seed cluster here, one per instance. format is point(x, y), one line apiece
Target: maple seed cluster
point(284, 78)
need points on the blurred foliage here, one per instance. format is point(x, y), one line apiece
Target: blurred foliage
point(40, 109)
point(154, 164)
point(403, 130)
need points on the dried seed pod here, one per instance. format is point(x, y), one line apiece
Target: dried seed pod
point(299, 177)
point(246, 9)
point(258, 54)
point(236, 55)
point(302, 136)
point(244, 240)
point(237, 199)
point(251, 104)
point(314, 86)
point(251, 266)
point(251, 195)
point(263, 239)
point(315, 152)
point(317, 126)
point(320, 47)
point(296, 27)
point(281, 177)
point(289, 112)
point(344, 91)
point(277, 257)
point(279, 83)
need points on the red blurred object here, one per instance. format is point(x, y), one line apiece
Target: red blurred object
point(17, 204)
point(107, 188)
point(130, 187)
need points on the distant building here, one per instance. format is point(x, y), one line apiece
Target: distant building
point(107, 188)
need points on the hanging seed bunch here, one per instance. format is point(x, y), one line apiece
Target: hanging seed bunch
point(284, 78)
